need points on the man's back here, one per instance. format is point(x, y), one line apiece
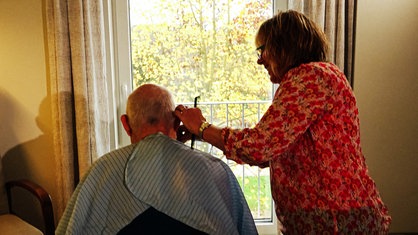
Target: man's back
point(151, 221)
point(187, 185)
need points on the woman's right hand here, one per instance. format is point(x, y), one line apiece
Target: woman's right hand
point(183, 135)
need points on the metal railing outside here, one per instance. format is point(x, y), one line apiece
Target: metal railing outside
point(255, 182)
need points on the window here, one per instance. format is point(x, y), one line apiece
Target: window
point(204, 50)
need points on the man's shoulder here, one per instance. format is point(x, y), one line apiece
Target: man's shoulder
point(117, 157)
point(168, 146)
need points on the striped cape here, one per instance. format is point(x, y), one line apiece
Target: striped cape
point(188, 185)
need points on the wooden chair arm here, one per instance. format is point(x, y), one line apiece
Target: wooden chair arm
point(42, 196)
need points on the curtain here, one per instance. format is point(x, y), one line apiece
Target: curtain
point(337, 18)
point(78, 90)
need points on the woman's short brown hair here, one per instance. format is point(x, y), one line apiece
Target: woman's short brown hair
point(290, 39)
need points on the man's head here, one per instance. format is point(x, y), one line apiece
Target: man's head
point(149, 110)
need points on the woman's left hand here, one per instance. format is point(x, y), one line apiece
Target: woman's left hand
point(192, 118)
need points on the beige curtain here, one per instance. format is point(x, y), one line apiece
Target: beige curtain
point(77, 78)
point(337, 18)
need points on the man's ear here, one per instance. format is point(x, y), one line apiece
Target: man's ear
point(125, 124)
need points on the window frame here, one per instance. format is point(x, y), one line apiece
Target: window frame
point(119, 74)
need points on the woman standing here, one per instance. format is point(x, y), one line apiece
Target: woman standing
point(309, 136)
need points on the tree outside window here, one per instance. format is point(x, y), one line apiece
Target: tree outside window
point(206, 48)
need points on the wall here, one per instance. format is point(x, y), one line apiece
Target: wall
point(385, 83)
point(25, 133)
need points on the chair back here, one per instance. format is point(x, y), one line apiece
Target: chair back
point(4, 209)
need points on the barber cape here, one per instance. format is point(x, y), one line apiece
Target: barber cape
point(188, 185)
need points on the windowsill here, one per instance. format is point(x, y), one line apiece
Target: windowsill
point(268, 228)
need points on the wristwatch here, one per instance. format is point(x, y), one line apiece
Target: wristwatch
point(202, 128)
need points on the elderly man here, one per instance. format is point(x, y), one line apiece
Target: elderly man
point(156, 185)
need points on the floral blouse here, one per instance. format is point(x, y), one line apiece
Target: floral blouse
point(310, 139)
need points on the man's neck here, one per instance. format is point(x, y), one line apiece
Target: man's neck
point(151, 131)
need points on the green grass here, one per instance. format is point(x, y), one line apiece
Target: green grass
point(258, 195)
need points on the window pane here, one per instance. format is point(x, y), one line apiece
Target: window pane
point(206, 48)
point(199, 48)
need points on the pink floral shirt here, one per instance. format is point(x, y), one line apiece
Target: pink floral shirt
point(310, 139)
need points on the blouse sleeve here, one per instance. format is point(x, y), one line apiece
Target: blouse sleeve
point(299, 101)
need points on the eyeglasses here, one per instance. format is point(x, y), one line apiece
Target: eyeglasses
point(260, 51)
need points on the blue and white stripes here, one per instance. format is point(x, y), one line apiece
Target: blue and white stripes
point(188, 185)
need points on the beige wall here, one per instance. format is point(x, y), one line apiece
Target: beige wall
point(25, 143)
point(386, 86)
point(386, 79)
